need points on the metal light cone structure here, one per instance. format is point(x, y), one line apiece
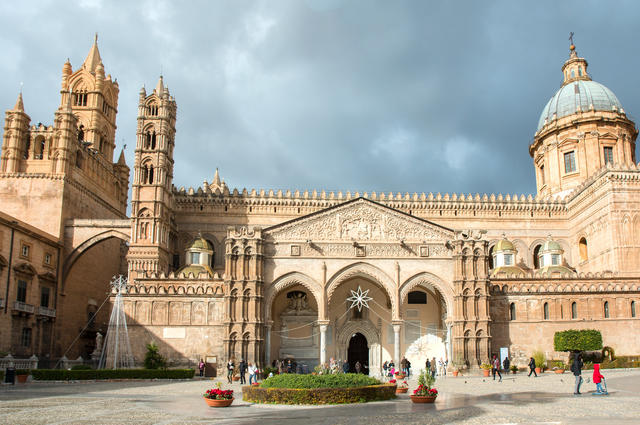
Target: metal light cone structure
point(116, 352)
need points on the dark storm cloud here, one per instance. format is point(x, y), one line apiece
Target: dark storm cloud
point(352, 95)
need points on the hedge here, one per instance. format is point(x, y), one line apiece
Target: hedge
point(319, 395)
point(577, 340)
point(340, 380)
point(82, 375)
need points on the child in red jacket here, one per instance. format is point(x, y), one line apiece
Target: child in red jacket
point(597, 378)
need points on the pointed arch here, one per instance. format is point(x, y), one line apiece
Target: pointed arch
point(369, 272)
point(292, 279)
point(429, 281)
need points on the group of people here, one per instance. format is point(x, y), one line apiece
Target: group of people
point(243, 368)
point(285, 366)
point(437, 368)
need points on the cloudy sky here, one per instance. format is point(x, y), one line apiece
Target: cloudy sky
point(325, 94)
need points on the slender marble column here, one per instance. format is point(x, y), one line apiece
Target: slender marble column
point(396, 345)
point(267, 343)
point(323, 344)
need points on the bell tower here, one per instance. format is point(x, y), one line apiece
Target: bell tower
point(152, 199)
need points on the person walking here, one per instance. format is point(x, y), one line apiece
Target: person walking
point(345, 367)
point(242, 369)
point(576, 368)
point(408, 368)
point(403, 365)
point(506, 363)
point(597, 379)
point(201, 367)
point(385, 367)
point(495, 368)
point(433, 367)
point(427, 365)
point(441, 370)
point(230, 367)
point(358, 366)
point(253, 375)
point(532, 367)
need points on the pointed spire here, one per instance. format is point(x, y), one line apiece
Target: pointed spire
point(121, 160)
point(93, 58)
point(216, 179)
point(19, 104)
point(160, 87)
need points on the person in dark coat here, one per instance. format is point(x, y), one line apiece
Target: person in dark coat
point(532, 367)
point(242, 369)
point(345, 367)
point(576, 368)
point(506, 363)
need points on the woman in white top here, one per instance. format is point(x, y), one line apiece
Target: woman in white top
point(253, 373)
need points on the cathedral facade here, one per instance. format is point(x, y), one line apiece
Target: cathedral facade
point(218, 273)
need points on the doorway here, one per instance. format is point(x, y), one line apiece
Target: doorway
point(358, 352)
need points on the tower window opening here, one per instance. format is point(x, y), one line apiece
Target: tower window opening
point(633, 309)
point(150, 174)
point(39, 149)
point(27, 147)
point(608, 155)
point(80, 98)
point(570, 162)
point(512, 311)
point(536, 256)
point(153, 140)
point(574, 310)
point(606, 309)
point(542, 178)
point(153, 110)
point(546, 311)
point(584, 254)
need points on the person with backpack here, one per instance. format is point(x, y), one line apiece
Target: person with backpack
point(576, 368)
point(495, 367)
point(242, 369)
point(230, 366)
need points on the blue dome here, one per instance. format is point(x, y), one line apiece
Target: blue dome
point(579, 96)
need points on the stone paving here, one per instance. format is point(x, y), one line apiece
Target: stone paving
point(518, 399)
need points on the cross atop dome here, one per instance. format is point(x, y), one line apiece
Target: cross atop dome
point(575, 68)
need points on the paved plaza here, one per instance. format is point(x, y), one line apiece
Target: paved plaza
point(469, 400)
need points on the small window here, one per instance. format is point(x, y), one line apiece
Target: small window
point(24, 251)
point(584, 254)
point(536, 256)
point(555, 259)
point(512, 311)
point(25, 339)
point(508, 259)
point(633, 309)
point(195, 258)
point(580, 71)
point(417, 297)
point(44, 296)
point(573, 73)
point(574, 310)
point(22, 291)
point(570, 162)
point(47, 259)
point(546, 311)
point(542, 178)
point(606, 309)
point(608, 155)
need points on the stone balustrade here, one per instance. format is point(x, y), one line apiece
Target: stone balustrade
point(23, 307)
point(10, 361)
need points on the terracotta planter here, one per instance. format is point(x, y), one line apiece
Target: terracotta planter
point(514, 371)
point(423, 398)
point(400, 375)
point(485, 372)
point(236, 378)
point(559, 371)
point(538, 371)
point(455, 373)
point(218, 403)
point(22, 378)
point(401, 390)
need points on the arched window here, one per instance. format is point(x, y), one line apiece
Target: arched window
point(512, 311)
point(27, 146)
point(573, 73)
point(580, 71)
point(574, 310)
point(584, 253)
point(633, 309)
point(606, 309)
point(39, 148)
point(536, 259)
point(150, 174)
point(546, 311)
point(81, 133)
point(153, 140)
point(147, 140)
point(417, 297)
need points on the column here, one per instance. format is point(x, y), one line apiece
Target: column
point(396, 343)
point(323, 343)
point(449, 348)
point(267, 343)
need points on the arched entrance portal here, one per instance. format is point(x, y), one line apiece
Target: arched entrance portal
point(358, 352)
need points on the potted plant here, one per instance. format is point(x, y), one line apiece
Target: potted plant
point(217, 397)
point(558, 367)
point(486, 368)
point(514, 369)
point(400, 375)
point(236, 374)
point(425, 393)
point(540, 360)
point(458, 365)
point(456, 371)
point(22, 375)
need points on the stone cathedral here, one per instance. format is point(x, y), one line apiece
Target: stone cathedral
point(219, 273)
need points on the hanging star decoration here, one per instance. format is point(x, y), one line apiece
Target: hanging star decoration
point(359, 298)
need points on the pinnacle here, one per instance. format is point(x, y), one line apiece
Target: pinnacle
point(19, 103)
point(93, 58)
point(160, 87)
point(216, 179)
point(121, 160)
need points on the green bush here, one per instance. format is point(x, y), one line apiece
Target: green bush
point(83, 375)
point(23, 372)
point(81, 367)
point(577, 340)
point(319, 395)
point(341, 380)
point(267, 370)
point(153, 359)
point(540, 359)
point(608, 353)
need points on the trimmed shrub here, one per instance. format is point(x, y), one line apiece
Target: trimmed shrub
point(341, 380)
point(577, 340)
point(609, 353)
point(81, 367)
point(319, 395)
point(23, 372)
point(83, 375)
